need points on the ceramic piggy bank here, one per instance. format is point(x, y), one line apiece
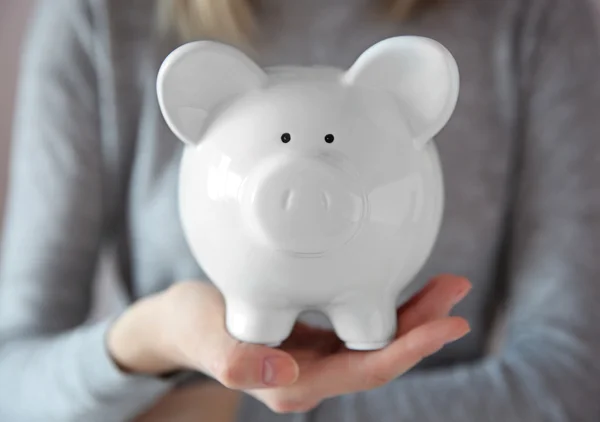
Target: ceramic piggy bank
point(310, 188)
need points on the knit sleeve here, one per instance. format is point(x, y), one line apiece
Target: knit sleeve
point(53, 367)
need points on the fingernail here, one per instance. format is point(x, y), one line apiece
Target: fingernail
point(460, 295)
point(278, 371)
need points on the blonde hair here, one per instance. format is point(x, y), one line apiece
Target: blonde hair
point(233, 21)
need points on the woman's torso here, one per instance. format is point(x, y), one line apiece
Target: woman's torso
point(475, 148)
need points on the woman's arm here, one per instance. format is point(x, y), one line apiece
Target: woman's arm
point(52, 367)
point(548, 369)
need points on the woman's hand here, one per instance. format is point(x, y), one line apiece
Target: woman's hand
point(184, 328)
point(328, 369)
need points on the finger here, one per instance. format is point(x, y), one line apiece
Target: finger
point(432, 287)
point(351, 372)
point(408, 350)
point(284, 401)
point(242, 366)
point(435, 301)
point(238, 365)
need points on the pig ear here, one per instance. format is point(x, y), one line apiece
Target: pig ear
point(420, 73)
point(198, 77)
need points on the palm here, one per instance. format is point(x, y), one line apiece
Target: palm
point(327, 368)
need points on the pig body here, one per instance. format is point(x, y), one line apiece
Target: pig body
point(310, 188)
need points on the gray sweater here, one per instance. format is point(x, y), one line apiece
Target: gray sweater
point(94, 166)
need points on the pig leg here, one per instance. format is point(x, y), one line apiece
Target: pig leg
point(365, 324)
point(255, 323)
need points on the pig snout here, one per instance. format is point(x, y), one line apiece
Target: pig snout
point(304, 205)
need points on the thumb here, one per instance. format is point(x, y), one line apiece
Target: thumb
point(204, 342)
point(244, 366)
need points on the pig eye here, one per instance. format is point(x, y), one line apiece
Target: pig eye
point(329, 138)
point(285, 138)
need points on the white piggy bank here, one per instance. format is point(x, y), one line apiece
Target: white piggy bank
point(310, 188)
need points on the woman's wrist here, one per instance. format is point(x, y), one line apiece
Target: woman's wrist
point(136, 341)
